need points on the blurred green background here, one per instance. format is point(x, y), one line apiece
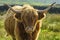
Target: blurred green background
point(51, 24)
point(32, 2)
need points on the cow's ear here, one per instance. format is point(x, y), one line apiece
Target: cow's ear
point(18, 16)
point(40, 15)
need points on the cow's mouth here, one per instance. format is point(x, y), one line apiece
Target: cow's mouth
point(29, 29)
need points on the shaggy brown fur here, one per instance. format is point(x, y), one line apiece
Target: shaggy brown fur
point(24, 24)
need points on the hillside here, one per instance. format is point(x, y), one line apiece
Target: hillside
point(32, 2)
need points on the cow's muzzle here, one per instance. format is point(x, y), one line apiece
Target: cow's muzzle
point(29, 29)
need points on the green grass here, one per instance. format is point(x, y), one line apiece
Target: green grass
point(49, 35)
point(52, 22)
point(50, 29)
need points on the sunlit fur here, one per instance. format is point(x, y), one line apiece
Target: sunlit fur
point(27, 29)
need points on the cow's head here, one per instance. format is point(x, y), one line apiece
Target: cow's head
point(29, 16)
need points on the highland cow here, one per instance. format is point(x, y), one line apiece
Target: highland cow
point(24, 22)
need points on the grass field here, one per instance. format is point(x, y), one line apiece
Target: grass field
point(50, 29)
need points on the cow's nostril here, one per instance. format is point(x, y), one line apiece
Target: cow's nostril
point(29, 29)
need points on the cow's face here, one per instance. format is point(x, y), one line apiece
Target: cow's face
point(30, 18)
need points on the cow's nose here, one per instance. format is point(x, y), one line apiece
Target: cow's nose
point(29, 29)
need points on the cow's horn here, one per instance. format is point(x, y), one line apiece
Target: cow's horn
point(16, 11)
point(46, 10)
